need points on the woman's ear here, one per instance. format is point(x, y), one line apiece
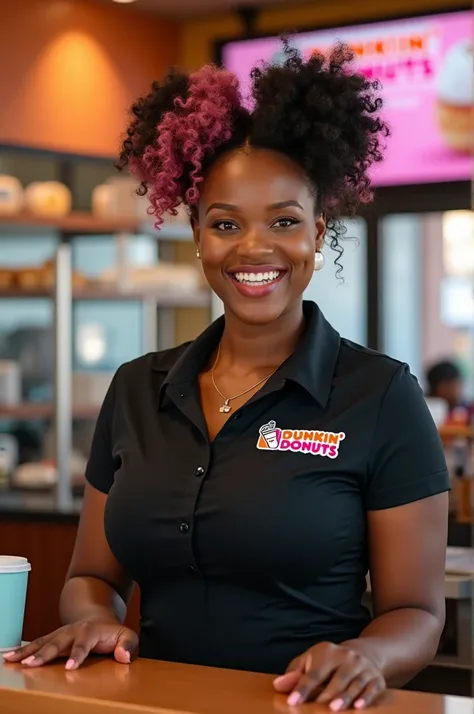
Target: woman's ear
point(320, 231)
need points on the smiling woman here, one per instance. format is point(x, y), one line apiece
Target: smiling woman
point(248, 480)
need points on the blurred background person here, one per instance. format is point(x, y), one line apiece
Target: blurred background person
point(445, 381)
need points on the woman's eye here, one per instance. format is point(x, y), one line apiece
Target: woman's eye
point(285, 223)
point(224, 226)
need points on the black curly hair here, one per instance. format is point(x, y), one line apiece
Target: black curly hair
point(319, 112)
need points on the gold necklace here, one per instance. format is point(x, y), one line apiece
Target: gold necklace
point(226, 408)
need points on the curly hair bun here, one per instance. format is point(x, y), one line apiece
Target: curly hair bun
point(331, 115)
point(177, 125)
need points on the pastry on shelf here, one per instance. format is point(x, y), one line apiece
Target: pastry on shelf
point(35, 475)
point(115, 199)
point(48, 277)
point(48, 199)
point(11, 196)
point(43, 277)
point(29, 278)
point(44, 474)
point(7, 278)
point(177, 278)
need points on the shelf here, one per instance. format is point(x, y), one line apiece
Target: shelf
point(77, 222)
point(83, 223)
point(43, 410)
point(163, 298)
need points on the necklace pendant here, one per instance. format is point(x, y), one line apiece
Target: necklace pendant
point(225, 408)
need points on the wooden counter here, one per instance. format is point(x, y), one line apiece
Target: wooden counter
point(102, 686)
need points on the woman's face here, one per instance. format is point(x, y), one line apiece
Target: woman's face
point(257, 233)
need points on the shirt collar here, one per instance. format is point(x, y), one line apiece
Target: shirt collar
point(311, 365)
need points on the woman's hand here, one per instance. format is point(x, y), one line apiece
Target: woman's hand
point(76, 642)
point(334, 675)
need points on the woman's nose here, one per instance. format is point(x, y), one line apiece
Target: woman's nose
point(255, 242)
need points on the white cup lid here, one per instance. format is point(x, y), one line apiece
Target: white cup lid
point(14, 564)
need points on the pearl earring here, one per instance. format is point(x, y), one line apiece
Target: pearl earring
point(319, 261)
point(198, 254)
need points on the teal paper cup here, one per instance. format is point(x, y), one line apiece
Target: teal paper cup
point(13, 585)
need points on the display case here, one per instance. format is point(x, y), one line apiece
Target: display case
point(70, 206)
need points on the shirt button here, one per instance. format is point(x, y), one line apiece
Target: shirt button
point(200, 471)
point(184, 528)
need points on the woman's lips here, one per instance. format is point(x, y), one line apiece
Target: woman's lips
point(266, 279)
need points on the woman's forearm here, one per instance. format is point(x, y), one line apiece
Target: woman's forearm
point(401, 643)
point(88, 598)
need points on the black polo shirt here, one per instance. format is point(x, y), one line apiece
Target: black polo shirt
point(252, 548)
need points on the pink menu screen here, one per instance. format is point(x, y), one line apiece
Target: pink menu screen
point(425, 66)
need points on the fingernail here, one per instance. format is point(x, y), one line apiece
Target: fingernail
point(28, 660)
point(126, 653)
point(70, 664)
point(7, 655)
point(359, 704)
point(336, 705)
point(294, 699)
point(278, 680)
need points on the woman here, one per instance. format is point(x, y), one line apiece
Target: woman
point(245, 481)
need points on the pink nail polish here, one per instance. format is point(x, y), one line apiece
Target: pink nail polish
point(336, 705)
point(70, 664)
point(7, 655)
point(359, 704)
point(294, 699)
point(28, 660)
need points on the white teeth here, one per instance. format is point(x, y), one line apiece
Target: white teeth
point(257, 278)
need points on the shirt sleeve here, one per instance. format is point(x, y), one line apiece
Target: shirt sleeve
point(101, 466)
point(406, 462)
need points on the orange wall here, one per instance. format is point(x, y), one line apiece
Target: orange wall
point(198, 35)
point(74, 69)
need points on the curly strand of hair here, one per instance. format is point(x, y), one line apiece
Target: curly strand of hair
point(187, 135)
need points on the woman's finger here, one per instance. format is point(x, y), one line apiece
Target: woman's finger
point(27, 650)
point(370, 694)
point(342, 679)
point(86, 639)
point(56, 646)
point(346, 699)
point(310, 683)
point(287, 682)
point(127, 645)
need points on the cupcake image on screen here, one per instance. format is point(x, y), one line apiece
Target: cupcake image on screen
point(455, 97)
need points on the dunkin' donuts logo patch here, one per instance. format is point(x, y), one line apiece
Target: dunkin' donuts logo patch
point(318, 443)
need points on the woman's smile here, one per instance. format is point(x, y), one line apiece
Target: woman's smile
point(255, 281)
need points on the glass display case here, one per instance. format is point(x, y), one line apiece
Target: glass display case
point(85, 285)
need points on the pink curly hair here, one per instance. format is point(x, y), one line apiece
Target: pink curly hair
point(193, 130)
